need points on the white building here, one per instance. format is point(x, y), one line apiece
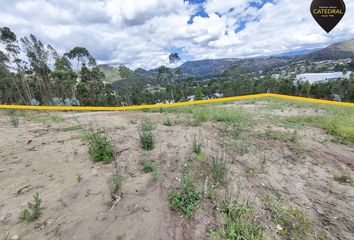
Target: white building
point(317, 77)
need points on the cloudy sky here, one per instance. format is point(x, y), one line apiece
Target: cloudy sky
point(141, 33)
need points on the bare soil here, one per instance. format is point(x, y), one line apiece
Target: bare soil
point(37, 157)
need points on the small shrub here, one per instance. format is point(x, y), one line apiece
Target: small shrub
point(218, 167)
point(148, 166)
point(71, 128)
point(101, 149)
point(344, 179)
point(78, 177)
point(293, 223)
point(187, 198)
point(237, 130)
point(33, 211)
point(197, 145)
point(239, 224)
point(186, 201)
point(115, 184)
point(167, 122)
point(34, 102)
point(294, 137)
point(146, 134)
point(155, 175)
point(13, 118)
point(275, 134)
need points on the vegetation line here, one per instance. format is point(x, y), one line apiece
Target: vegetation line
point(252, 96)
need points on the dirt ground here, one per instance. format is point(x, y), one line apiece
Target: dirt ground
point(41, 157)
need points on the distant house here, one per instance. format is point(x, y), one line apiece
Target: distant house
point(317, 77)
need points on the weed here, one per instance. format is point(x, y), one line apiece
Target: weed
point(167, 122)
point(275, 134)
point(71, 128)
point(294, 137)
point(13, 118)
point(218, 167)
point(101, 149)
point(197, 145)
point(186, 201)
point(120, 237)
point(343, 179)
point(78, 177)
point(292, 223)
point(76, 152)
point(237, 130)
point(148, 166)
point(241, 147)
point(147, 140)
point(44, 118)
point(239, 223)
point(155, 175)
point(187, 198)
point(33, 211)
point(115, 183)
point(200, 156)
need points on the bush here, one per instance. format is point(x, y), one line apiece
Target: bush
point(197, 145)
point(293, 223)
point(34, 102)
point(239, 224)
point(148, 166)
point(101, 149)
point(13, 118)
point(187, 198)
point(218, 168)
point(167, 122)
point(116, 183)
point(33, 211)
point(147, 140)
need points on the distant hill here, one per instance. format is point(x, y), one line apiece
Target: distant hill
point(335, 51)
point(210, 68)
point(214, 68)
point(112, 73)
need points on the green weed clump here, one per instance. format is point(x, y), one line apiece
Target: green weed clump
point(167, 121)
point(292, 223)
point(186, 199)
point(239, 224)
point(71, 128)
point(148, 166)
point(33, 211)
point(78, 177)
point(116, 182)
point(197, 144)
point(218, 167)
point(101, 149)
point(343, 179)
point(337, 121)
point(13, 118)
point(146, 134)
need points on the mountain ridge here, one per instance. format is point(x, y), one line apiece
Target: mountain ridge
point(210, 68)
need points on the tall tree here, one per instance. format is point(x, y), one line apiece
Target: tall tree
point(39, 56)
point(64, 78)
point(10, 59)
point(82, 56)
point(165, 76)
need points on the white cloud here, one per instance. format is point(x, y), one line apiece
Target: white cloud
point(138, 33)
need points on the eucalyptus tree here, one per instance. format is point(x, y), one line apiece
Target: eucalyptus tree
point(39, 56)
point(64, 78)
point(82, 57)
point(165, 75)
point(11, 62)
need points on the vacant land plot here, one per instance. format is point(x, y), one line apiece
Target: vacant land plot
point(261, 169)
